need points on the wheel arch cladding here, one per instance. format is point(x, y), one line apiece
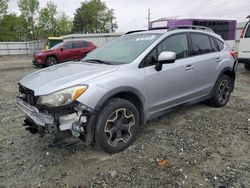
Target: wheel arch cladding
point(53, 55)
point(128, 93)
point(229, 72)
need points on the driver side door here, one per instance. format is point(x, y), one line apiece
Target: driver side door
point(67, 52)
point(170, 86)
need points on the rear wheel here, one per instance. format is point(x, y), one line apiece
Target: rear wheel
point(247, 66)
point(50, 61)
point(221, 92)
point(117, 125)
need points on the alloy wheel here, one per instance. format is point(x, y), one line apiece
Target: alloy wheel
point(118, 127)
point(224, 91)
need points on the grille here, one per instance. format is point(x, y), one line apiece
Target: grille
point(27, 95)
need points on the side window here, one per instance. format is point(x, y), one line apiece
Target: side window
point(247, 35)
point(85, 44)
point(68, 45)
point(201, 44)
point(220, 44)
point(151, 58)
point(177, 43)
point(213, 45)
point(81, 44)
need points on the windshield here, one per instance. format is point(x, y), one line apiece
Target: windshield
point(56, 46)
point(123, 50)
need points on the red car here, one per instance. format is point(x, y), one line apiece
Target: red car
point(67, 51)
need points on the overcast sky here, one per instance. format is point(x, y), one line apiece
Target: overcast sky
point(132, 14)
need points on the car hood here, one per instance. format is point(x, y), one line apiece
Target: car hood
point(63, 76)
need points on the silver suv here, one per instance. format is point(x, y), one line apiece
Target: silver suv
point(120, 86)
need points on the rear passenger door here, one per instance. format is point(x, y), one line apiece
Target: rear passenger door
point(77, 50)
point(205, 58)
point(66, 53)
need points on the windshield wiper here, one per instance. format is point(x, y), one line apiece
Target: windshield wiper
point(98, 61)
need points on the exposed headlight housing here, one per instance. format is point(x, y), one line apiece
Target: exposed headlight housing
point(62, 97)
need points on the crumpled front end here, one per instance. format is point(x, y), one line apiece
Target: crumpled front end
point(68, 124)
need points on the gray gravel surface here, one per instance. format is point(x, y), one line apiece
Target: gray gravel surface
point(202, 146)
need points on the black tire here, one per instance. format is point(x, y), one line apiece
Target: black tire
point(50, 61)
point(247, 66)
point(221, 92)
point(115, 131)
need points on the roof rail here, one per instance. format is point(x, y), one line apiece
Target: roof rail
point(194, 27)
point(136, 31)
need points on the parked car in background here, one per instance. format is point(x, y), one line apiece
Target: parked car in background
point(66, 51)
point(244, 46)
point(126, 83)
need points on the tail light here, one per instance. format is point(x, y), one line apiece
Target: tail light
point(233, 54)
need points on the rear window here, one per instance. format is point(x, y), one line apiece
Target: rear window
point(220, 44)
point(200, 44)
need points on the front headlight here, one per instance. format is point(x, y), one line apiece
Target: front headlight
point(62, 97)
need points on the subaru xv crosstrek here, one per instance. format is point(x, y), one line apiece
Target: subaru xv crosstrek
point(62, 52)
point(118, 87)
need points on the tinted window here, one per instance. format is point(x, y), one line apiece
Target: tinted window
point(247, 35)
point(220, 44)
point(68, 45)
point(151, 58)
point(201, 44)
point(177, 44)
point(81, 44)
point(213, 45)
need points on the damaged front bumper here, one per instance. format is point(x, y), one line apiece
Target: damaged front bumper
point(76, 123)
point(34, 114)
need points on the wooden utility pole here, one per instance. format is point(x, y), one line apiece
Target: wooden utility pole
point(149, 18)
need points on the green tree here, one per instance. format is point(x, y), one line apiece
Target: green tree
point(47, 20)
point(94, 17)
point(12, 28)
point(3, 6)
point(64, 24)
point(29, 10)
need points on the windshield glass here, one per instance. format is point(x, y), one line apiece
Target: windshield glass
point(56, 46)
point(124, 49)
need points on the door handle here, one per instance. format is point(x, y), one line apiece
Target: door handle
point(218, 59)
point(189, 67)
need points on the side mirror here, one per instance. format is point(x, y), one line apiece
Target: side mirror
point(61, 48)
point(165, 58)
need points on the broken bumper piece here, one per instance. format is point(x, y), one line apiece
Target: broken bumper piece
point(34, 114)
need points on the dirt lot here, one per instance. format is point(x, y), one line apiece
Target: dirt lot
point(200, 146)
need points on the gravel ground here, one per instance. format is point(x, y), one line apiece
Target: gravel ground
point(195, 146)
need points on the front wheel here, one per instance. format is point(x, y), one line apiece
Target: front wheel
point(247, 67)
point(221, 92)
point(117, 125)
point(50, 61)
